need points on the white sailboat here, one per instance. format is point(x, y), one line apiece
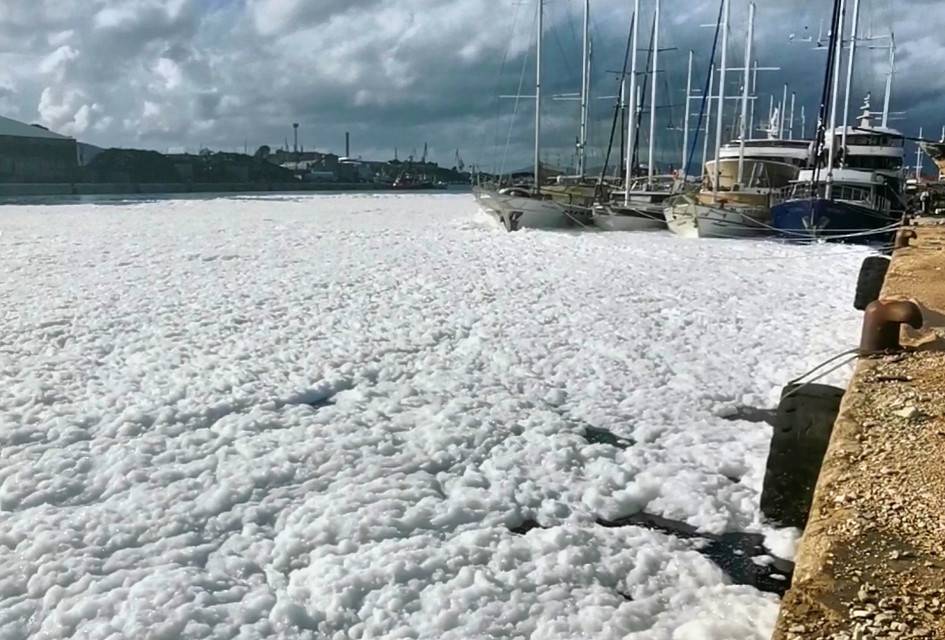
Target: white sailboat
point(639, 205)
point(519, 207)
point(712, 213)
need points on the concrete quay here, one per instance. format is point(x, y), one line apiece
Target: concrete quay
point(871, 563)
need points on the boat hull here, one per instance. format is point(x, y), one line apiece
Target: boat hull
point(519, 212)
point(628, 219)
point(703, 221)
point(830, 219)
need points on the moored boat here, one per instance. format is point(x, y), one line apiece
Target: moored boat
point(517, 208)
point(860, 200)
point(704, 215)
point(619, 218)
point(768, 163)
point(530, 206)
point(640, 209)
point(853, 192)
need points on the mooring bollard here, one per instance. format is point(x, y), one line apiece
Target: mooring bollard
point(903, 237)
point(882, 322)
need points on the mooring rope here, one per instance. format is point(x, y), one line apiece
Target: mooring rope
point(853, 355)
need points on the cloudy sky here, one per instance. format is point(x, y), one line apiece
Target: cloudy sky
point(184, 74)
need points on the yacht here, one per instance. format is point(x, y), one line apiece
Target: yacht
point(860, 197)
point(517, 207)
point(639, 210)
point(770, 163)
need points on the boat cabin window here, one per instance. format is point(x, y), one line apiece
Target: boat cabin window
point(873, 140)
point(874, 162)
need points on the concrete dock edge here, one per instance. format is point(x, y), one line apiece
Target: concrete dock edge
point(871, 563)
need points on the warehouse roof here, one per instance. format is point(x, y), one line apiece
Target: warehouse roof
point(18, 129)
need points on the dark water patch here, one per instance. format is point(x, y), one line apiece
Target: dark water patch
point(753, 414)
point(602, 436)
point(741, 556)
point(734, 552)
point(317, 398)
point(525, 527)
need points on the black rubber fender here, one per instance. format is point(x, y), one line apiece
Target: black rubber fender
point(799, 442)
point(869, 283)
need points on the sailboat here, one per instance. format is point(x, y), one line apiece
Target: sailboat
point(577, 191)
point(742, 210)
point(854, 191)
point(639, 205)
point(522, 206)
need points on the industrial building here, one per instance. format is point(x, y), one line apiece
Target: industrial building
point(29, 153)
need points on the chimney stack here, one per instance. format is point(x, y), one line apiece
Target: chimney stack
point(347, 144)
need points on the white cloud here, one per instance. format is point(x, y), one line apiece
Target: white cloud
point(170, 73)
point(153, 73)
point(57, 61)
point(66, 111)
point(59, 38)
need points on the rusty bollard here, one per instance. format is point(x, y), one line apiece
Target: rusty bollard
point(882, 322)
point(903, 237)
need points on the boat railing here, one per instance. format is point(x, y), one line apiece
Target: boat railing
point(804, 191)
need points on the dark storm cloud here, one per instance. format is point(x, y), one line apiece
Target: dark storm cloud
point(398, 73)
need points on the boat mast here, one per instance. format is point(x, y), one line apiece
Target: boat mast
point(754, 93)
point(825, 100)
point(585, 90)
point(632, 108)
point(783, 114)
point(745, 81)
point(918, 158)
point(854, 29)
point(708, 121)
point(803, 121)
point(889, 78)
point(791, 129)
point(832, 130)
point(623, 121)
point(651, 166)
point(721, 107)
point(538, 98)
point(685, 144)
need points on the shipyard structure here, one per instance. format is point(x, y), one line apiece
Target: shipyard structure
point(30, 153)
point(37, 161)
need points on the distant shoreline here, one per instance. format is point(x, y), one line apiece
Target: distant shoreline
point(40, 193)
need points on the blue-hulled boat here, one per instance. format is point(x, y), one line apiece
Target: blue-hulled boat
point(858, 201)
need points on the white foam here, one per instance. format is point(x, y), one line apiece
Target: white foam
point(317, 417)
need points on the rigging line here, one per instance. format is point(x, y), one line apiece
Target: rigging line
point(635, 160)
point(673, 132)
point(705, 94)
point(518, 100)
point(574, 35)
point(618, 109)
point(566, 61)
point(825, 98)
point(498, 84)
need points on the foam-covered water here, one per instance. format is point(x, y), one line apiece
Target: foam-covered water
point(319, 417)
